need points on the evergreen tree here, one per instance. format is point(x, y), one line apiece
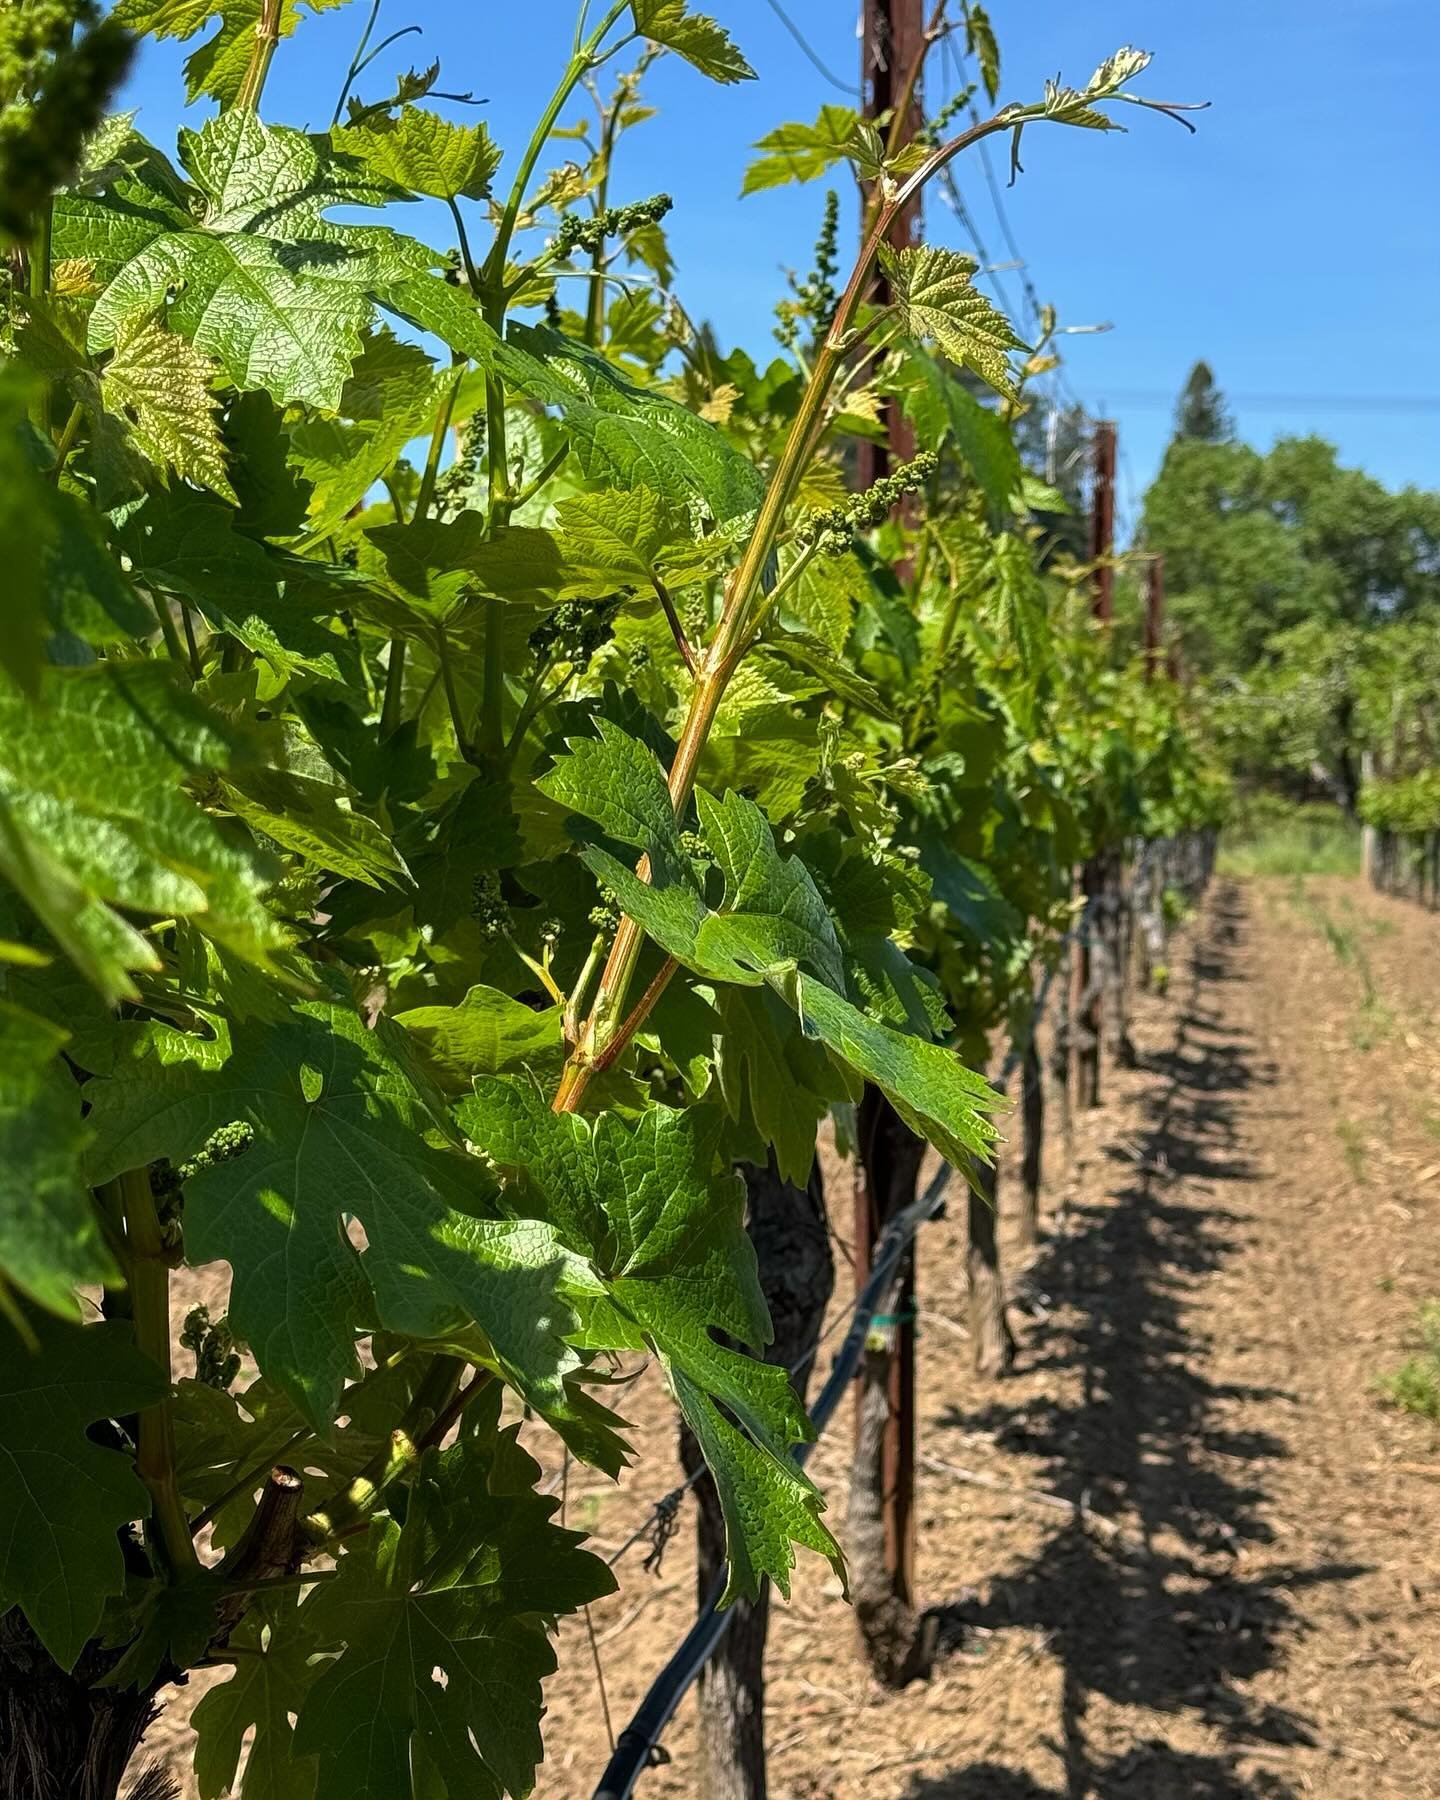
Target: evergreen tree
point(1201, 411)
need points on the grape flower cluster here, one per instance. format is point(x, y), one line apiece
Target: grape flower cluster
point(833, 530)
point(578, 233)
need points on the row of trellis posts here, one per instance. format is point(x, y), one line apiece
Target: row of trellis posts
point(1079, 1024)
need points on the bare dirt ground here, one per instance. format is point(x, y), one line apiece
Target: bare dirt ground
point(1248, 1604)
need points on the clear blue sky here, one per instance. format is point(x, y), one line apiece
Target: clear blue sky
point(1294, 242)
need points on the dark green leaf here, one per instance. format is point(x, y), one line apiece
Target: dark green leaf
point(62, 1497)
point(338, 1124)
point(466, 1587)
point(50, 1240)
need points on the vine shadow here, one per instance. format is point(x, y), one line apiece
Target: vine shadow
point(1161, 1617)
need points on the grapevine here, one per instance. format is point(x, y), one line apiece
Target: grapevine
point(444, 753)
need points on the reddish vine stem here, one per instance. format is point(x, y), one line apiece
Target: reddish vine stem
point(607, 1029)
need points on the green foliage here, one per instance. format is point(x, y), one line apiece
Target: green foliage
point(54, 88)
point(1200, 412)
point(1260, 544)
point(466, 1585)
point(50, 1239)
point(424, 154)
point(1405, 803)
point(1273, 836)
point(218, 67)
point(261, 281)
point(78, 849)
point(331, 643)
point(1415, 1385)
point(339, 1128)
point(703, 43)
point(935, 297)
point(64, 1496)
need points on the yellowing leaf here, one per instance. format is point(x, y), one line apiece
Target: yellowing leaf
point(935, 296)
point(160, 383)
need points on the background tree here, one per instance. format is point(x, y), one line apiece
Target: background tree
point(1200, 412)
point(1256, 544)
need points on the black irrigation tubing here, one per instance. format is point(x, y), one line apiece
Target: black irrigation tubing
point(634, 1746)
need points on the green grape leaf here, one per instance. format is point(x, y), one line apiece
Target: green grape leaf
point(611, 539)
point(774, 1076)
point(617, 781)
point(703, 43)
point(627, 436)
point(277, 605)
point(1070, 106)
point(821, 600)
point(220, 1435)
point(26, 522)
point(799, 152)
point(438, 562)
point(969, 893)
point(390, 398)
point(488, 1033)
point(472, 836)
point(261, 282)
point(927, 1084)
point(936, 299)
point(668, 1237)
point(271, 1677)
point(82, 850)
point(624, 435)
point(771, 919)
point(63, 1498)
point(315, 820)
point(1015, 601)
point(981, 44)
point(803, 651)
point(60, 579)
point(338, 1124)
point(767, 1503)
point(50, 1239)
point(161, 385)
point(169, 1626)
point(218, 67)
point(419, 151)
point(467, 1586)
point(939, 406)
point(770, 926)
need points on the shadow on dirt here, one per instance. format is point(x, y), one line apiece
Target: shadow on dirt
point(1160, 1617)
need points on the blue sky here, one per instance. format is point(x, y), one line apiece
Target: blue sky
point(1294, 242)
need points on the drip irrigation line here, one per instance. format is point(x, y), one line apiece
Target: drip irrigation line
point(636, 1743)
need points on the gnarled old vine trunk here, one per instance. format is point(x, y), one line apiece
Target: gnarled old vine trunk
point(788, 1228)
point(62, 1737)
point(898, 1643)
